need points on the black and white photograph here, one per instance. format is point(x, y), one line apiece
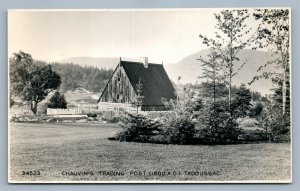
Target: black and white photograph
point(177, 95)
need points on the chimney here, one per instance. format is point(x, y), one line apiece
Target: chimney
point(145, 61)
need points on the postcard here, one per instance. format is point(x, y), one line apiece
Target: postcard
point(150, 95)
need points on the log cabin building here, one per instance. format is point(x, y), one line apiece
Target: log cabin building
point(121, 89)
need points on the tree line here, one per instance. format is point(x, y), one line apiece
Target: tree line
point(74, 76)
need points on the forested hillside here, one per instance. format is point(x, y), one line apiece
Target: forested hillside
point(74, 76)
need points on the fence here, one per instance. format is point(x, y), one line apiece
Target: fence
point(107, 106)
point(51, 111)
point(14, 111)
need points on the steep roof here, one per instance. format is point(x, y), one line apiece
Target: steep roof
point(155, 81)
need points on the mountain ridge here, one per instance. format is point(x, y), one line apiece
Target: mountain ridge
point(189, 68)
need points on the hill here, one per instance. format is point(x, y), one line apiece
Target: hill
point(88, 77)
point(189, 68)
point(99, 62)
point(74, 76)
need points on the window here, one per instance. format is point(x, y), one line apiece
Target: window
point(118, 96)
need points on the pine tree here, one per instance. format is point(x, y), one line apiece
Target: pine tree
point(57, 101)
point(242, 103)
point(212, 71)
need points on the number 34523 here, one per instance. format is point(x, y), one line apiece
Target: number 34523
point(31, 173)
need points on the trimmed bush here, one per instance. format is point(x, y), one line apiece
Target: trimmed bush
point(138, 128)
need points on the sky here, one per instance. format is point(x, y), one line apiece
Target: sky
point(161, 35)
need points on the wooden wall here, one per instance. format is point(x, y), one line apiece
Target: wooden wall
point(118, 89)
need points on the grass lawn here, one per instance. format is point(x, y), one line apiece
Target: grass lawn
point(56, 148)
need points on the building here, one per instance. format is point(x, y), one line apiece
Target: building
point(121, 89)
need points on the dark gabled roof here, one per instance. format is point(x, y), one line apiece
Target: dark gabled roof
point(155, 81)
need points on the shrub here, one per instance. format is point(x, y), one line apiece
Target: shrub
point(281, 138)
point(159, 139)
point(247, 122)
point(179, 130)
point(218, 125)
point(91, 114)
point(115, 119)
point(57, 101)
point(253, 135)
point(276, 126)
point(138, 128)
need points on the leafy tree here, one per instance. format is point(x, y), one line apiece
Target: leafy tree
point(30, 82)
point(189, 103)
point(231, 25)
point(279, 122)
point(274, 34)
point(242, 103)
point(232, 37)
point(57, 101)
point(271, 120)
point(20, 65)
point(196, 105)
point(278, 98)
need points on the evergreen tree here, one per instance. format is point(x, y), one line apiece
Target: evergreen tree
point(212, 71)
point(74, 76)
point(256, 110)
point(242, 103)
point(219, 127)
point(58, 101)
